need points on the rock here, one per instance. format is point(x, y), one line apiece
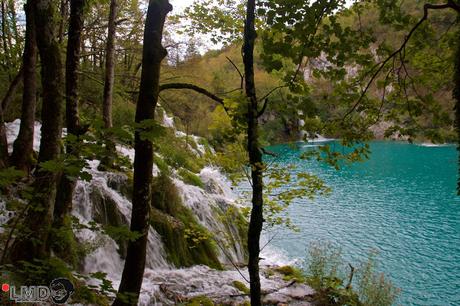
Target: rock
point(276, 298)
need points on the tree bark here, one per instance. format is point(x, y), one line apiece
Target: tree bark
point(456, 95)
point(110, 65)
point(32, 242)
point(8, 98)
point(67, 185)
point(4, 162)
point(64, 11)
point(255, 156)
point(5, 34)
point(109, 79)
point(153, 54)
point(23, 146)
point(3, 143)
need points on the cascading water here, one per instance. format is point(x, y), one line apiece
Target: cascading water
point(104, 199)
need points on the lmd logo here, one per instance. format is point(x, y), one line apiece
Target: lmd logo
point(59, 291)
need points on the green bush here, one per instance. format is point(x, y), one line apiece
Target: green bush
point(374, 288)
point(326, 273)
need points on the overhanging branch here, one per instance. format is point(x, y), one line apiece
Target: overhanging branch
point(450, 4)
point(195, 88)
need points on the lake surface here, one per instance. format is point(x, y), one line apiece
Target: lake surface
point(401, 202)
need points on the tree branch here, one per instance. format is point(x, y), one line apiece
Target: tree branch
point(196, 89)
point(238, 70)
point(381, 65)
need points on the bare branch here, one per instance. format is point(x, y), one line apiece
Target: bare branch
point(238, 70)
point(194, 88)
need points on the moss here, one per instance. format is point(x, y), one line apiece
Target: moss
point(200, 301)
point(191, 178)
point(240, 286)
point(65, 245)
point(161, 164)
point(187, 243)
point(235, 223)
point(106, 213)
point(291, 273)
point(176, 154)
point(87, 296)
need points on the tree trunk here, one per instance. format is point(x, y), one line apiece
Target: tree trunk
point(3, 143)
point(8, 98)
point(110, 65)
point(63, 10)
point(456, 95)
point(153, 54)
point(5, 34)
point(255, 156)
point(107, 161)
point(23, 146)
point(32, 241)
point(66, 185)
point(3, 107)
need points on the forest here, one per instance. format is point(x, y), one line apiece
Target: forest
point(151, 152)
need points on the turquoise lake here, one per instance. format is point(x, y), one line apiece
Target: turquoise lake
point(401, 202)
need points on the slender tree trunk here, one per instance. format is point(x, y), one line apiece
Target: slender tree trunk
point(32, 241)
point(3, 143)
point(8, 98)
point(255, 156)
point(5, 33)
point(153, 54)
point(66, 185)
point(110, 65)
point(23, 146)
point(64, 11)
point(4, 105)
point(109, 80)
point(456, 95)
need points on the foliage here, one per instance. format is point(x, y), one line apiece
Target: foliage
point(9, 176)
point(374, 288)
point(325, 273)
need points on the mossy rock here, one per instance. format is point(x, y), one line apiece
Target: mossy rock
point(161, 164)
point(122, 183)
point(105, 211)
point(291, 273)
point(191, 178)
point(66, 246)
point(200, 301)
point(241, 286)
point(187, 243)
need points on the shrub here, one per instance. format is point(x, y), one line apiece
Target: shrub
point(326, 273)
point(374, 288)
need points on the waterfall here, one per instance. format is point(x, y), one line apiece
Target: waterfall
point(105, 200)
